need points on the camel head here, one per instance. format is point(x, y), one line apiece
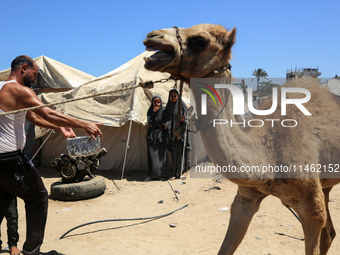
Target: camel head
point(193, 52)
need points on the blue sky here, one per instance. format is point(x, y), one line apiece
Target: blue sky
point(99, 36)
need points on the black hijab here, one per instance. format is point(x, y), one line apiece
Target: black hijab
point(155, 117)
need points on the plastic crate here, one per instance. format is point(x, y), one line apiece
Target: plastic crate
point(83, 146)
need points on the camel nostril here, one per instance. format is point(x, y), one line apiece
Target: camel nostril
point(155, 36)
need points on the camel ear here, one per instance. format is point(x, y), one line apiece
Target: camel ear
point(230, 38)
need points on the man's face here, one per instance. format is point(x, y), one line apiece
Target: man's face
point(30, 75)
point(173, 97)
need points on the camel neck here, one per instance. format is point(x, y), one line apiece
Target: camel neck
point(226, 138)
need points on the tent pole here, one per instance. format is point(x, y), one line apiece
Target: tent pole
point(183, 158)
point(126, 149)
point(196, 147)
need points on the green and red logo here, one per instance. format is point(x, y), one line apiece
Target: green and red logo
point(204, 96)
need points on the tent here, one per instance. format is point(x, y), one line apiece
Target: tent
point(53, 74)
point(123, 114)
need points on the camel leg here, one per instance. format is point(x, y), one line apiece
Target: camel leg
point(245, 205)
point(312, 212)
point(328, 232)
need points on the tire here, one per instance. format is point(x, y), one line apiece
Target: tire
point(78, 191)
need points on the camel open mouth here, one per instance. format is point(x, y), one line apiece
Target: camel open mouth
point(164, 54)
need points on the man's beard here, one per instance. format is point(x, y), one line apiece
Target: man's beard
point(27, 82)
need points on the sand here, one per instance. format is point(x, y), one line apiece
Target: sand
point(199, 228)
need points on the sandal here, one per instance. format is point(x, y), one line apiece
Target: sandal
point(183, 177)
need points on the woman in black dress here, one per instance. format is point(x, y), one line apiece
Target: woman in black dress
point(177, 133)
point(156, 142)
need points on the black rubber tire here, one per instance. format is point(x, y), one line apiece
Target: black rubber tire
point(78, 191)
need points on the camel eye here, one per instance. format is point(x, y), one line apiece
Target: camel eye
point(198, 43)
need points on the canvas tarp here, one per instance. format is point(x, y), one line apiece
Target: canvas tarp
point(53, 74)
point(115, 111)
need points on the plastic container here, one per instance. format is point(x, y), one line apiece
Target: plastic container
point(83, 146)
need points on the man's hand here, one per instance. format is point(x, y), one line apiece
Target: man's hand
point(67, 132)
point(93, 130)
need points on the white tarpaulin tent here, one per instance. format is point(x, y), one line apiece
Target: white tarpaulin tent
point(116, 111)
point(54, 74)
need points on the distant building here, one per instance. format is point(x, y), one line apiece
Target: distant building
point(304, 73)
point(333, 85)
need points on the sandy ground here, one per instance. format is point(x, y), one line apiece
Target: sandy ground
point(200, 226)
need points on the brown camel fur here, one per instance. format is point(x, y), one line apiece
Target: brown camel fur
point(205, 49)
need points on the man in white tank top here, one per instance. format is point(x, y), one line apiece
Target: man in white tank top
point(10, 124)
point(18, 176)
point(11, 213)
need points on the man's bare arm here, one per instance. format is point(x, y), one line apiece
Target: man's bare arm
point(39, 121)
point(27, 98)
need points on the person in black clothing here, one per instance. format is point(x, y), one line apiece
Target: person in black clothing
point(11, 216)
point(156, 143)
point(19, 177)
point(178, 134)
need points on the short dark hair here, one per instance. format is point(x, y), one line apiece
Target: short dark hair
point(20, 60)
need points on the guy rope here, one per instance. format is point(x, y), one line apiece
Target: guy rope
point(144, 85)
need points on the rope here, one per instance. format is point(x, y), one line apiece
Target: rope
point(50, 133)
point(183, 159)
point(296, 216)
point(66, 101)
point(173, 190)
point(144, 85)
point(177, 132)
point(146, 218)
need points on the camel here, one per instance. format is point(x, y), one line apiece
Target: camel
point(204, 51)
